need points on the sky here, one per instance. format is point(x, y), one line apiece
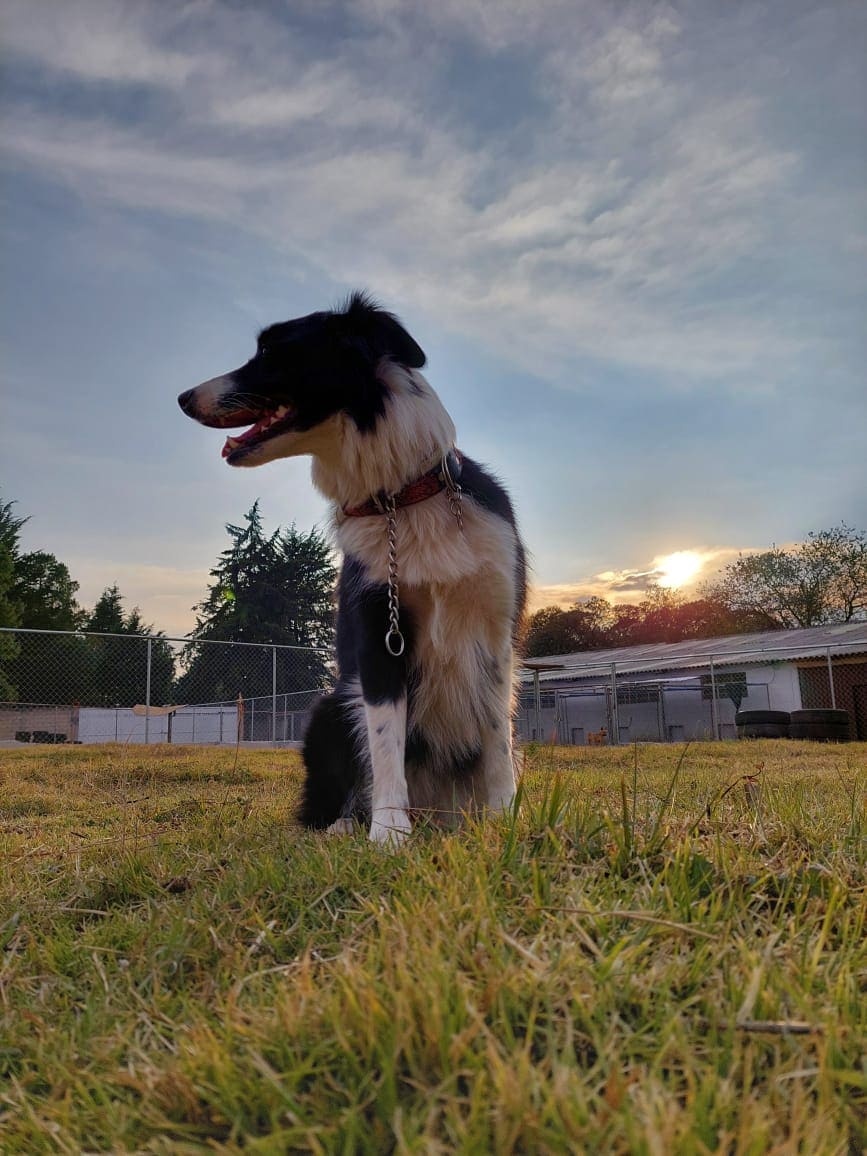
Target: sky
point(630, 237)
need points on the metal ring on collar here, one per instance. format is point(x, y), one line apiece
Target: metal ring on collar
point(397, 649)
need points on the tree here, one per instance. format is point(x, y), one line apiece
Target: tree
point(10, 611)
point(268, 589)
point(10, 528)
point(663, 615)
point(45, 593)
point(9, 616)
point(119, 656)
point(819, 581)
point(49, 668)
point(554, 630)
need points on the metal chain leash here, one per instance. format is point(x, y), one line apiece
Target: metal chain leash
point(394, 641)
point(454, 493)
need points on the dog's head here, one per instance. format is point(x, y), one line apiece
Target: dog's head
point(303, 373)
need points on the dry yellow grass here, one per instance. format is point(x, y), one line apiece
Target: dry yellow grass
point(660, 951)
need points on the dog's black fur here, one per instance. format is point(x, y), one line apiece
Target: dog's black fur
point(392, 736)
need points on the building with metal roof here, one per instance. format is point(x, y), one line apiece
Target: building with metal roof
point(671, 691)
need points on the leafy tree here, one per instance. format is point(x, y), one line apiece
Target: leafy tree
point(10, 611)
point(45, 593)
point(273, 589)
point(553, 630)
point(665, 615)
point(9, 616)
point(38, 594)
point(662, 616)
point(49, 668)
point(819, 581)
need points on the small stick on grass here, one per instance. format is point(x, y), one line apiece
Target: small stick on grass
point(637, 916)
point(768, 1027)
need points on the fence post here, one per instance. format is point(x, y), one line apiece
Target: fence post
point(714, 714)
point(537, 696)
point(831, 678)
point(274, 695)
point(148, 693)
point(614, 737)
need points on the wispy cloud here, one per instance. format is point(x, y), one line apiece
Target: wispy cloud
point(617, 246)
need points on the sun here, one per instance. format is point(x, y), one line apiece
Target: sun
point(676, 569)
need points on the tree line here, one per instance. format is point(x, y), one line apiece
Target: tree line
point(819, 581)
point(273, 588)
point(278, 588)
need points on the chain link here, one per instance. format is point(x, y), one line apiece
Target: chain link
point(455, 504)
point(394, 640)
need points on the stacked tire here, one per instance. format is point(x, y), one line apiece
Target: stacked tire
point(822, 726)
point(762, 724)
point(819, 726)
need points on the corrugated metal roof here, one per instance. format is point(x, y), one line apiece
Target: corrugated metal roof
point(740, 649)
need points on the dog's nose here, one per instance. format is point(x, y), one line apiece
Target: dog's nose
point(186, 402)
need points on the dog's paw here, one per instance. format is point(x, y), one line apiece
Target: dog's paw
point(341, 827)
point(390, 827)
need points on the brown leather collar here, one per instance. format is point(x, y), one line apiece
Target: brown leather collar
point(444, 476)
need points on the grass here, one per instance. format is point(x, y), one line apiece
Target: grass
point(661, 951)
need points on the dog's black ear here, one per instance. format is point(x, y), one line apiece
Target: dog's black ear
point(398, 342)
point(382, 331)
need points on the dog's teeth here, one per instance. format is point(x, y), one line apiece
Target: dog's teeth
point(231, 442)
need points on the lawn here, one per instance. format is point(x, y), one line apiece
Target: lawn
point(661, 951)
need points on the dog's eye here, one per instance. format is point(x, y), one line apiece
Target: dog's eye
point(262, 351)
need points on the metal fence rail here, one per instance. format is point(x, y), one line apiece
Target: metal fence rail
point(85, 687)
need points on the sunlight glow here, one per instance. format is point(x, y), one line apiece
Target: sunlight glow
point(676, 569)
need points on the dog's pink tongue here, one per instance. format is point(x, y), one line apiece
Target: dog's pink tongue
point(261, 425)
point(232, 443)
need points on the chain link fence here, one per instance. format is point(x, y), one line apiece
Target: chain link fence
point(590, 703)
point(62, 687)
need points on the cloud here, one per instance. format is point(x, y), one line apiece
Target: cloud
point(599, 242)
point(104, 41)
point(631, 584)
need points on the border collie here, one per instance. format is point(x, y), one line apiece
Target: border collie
point(432, 587)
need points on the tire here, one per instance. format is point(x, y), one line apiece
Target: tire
point(762, 730)
point(820, 716)
point(747, 717)
point(820, 726)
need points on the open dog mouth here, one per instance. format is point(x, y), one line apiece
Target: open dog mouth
point(268, 426)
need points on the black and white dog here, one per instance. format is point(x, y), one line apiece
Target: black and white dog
point(433, 582)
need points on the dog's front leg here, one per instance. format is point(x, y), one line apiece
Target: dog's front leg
point(389, 804)
point(383, 679)
point(498, 761)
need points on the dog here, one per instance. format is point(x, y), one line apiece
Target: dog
point(433, 583)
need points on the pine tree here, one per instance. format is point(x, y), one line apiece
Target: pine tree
point(119, 663)
point(274, 589)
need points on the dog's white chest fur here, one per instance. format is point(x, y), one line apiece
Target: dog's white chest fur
point(459, 586)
